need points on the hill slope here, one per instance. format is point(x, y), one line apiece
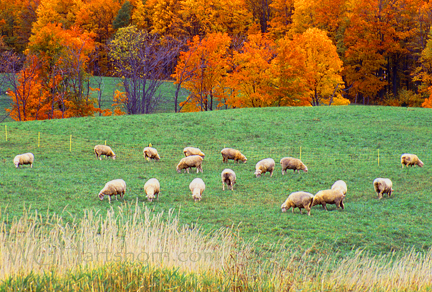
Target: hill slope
point(334, 142)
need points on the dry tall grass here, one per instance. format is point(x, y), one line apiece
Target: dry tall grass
point(134, 239)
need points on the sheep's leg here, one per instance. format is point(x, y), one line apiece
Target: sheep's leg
point(342, 205)
point(271, 173)
point(380, 195)
point(223, 186)
point(187, 170)
point(109, 199)
point(324, 206)
point(283, 172)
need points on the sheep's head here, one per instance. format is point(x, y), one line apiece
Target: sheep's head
point(305, 169)
point(258, 172)
point(420, 163)
point(178, 170)
point(114, 157)
point(284, 208)
point(244, 159)
point(150, 197)
point(101, 196)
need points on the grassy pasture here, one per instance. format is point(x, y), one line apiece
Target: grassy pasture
point(334, 142)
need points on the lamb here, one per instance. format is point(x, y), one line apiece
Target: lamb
point(113, 188)
point(298, 200)
point(230, 153)
point(324, 197)
point(190, 161)
point(26, 158)
point(100, 150)
point(228, 177)
point(383, 186)
point(341, 185)
point(292, 163)
point(188, 151)
point(197, 187)
point(410, 160)
point(151, 153)
point(263, 166)
point(152, 188)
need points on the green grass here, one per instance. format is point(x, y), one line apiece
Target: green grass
point(336, 143)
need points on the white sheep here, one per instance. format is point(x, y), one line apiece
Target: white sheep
point(230, 153)
point(113, 188)
point(298, 200)
point(292, 163)
point(189, 151)
point(151, 153)
point(341, 185)
point(190, 161)
point(263, 166)
point(324, 197)
point(228, 177)
point(152, 188)
point(383, 186)
point(197, 187)
point(26, 158)
point(410, 160)
point(100, 150)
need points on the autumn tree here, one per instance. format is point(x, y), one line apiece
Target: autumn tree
point(206, 64)
point(323, 67)
point(141, 60)
point(251, 78)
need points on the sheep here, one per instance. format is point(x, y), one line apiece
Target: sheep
point(190, 161)
point(197, 187)
point(26, 158)
point(152, 188)
point(263, 166)
point(298, 200)
point(383, 186)
point(151, 153)
point(292, 163)
point(324, 197)
point(100, 150)
point(410, 160)
point(113, 188)
point(341, 185)
point(228, 177)
point(230, 153)
point(189, 151)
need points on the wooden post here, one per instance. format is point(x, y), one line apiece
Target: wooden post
point(105, 142)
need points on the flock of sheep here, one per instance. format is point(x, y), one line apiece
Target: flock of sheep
point(194, 158)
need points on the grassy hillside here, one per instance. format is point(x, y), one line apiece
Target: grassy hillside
point(334, 142)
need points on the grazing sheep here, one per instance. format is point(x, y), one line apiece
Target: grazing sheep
point(100, 150)
point(383, 186)
point(228, 177)
point(341, 185)
point(197, 187)
point(21, 159)
point(263, 166)
point(324, 197)
point(229, 153)
point(152, 188)
point(190, 161)
point(298, 200)
point(410, 160)
point(189, 151)
point(292, 163)
point(151, 153)
point(113, 188)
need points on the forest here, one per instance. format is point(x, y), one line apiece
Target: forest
point(225, 54)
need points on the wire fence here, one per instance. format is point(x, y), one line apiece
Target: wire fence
point(254, 153)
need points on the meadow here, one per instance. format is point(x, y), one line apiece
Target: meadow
point(352, 143)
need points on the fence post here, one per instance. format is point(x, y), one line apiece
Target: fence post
point(105, 142)
point(378, 157)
